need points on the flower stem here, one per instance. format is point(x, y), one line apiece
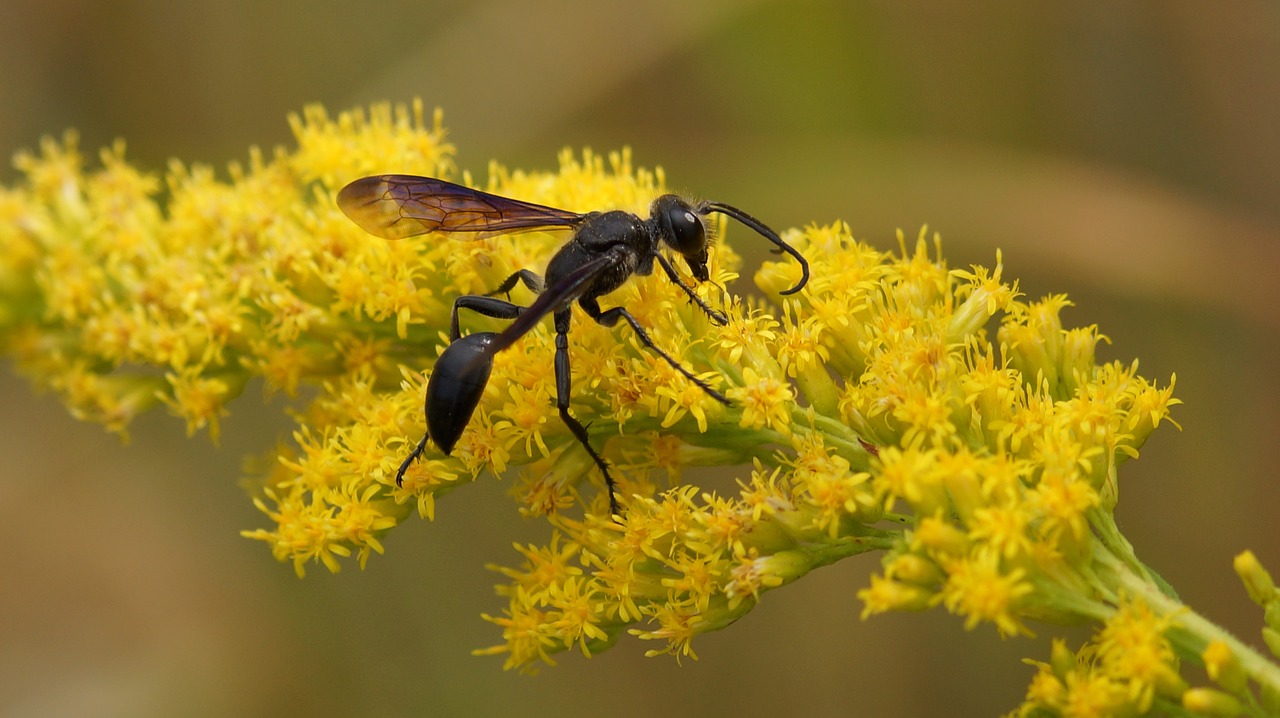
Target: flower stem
point(1193, 632)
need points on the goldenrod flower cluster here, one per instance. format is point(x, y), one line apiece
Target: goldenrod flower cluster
point(898, 405)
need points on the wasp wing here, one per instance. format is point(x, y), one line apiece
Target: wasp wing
point(399, 206)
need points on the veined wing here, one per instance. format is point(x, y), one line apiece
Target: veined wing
point(399, 206)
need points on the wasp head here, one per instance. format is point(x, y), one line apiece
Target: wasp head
point(682, 229)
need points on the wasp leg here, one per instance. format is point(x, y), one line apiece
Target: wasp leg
point(530, 279)
point(563, 383)
point(404, 465)
point(716, 316)
point(610, 317)
point(488, 306)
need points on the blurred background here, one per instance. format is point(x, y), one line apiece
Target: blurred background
point(1126, 153)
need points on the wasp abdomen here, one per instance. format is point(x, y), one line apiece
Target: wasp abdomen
point(455, 387)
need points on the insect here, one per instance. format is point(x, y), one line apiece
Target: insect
point(605, 249)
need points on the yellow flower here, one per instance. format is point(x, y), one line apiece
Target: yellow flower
point(978, 589)
point(892, 404)
point(885, 594)
point(1132, 647)
point(1125, 669)
point(677, 625)
point(765, 401)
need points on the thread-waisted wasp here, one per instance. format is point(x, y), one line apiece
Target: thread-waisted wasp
point(605, 250)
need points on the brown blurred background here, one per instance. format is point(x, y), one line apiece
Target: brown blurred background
point(1125, 153)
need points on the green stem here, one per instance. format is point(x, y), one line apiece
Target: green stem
point(831, 553)
point(1193, 632)
point(838, 434)
point(1117, 545)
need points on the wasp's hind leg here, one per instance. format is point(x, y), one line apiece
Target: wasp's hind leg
point(486, 305)
point(408, 461)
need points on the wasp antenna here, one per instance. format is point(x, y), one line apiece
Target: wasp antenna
point(764, 230)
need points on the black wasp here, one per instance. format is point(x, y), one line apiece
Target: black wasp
point(605, 250)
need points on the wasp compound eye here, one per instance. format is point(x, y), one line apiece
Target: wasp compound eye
point(455, 387)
